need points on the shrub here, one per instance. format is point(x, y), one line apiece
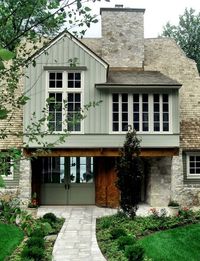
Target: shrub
point(35, 252)
point(37, 233)
point(9, 210)
point(45, 228)
point(117, 232)
point(186, 213)
point(50, 217)
point(35, 241)
point(124, 241)
point(134, 252)
point(105, 222)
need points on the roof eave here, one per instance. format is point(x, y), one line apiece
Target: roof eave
point(118, 85)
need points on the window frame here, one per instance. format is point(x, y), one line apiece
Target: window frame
point(150, 112)
point(64, 90)
point(188, 174)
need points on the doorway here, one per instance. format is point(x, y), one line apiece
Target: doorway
point(66, 180)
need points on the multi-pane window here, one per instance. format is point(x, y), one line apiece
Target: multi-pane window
point(55, 80)
point(193, 165)
point(161, 112)
point(67, 170)
point(65, 100)
point(136, 112)
point(120, 112)
point(74, 106)
point(55, 111)
point(81, 169)
point(74, 80)
point(144, 112)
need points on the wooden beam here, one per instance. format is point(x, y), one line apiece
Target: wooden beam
point(100, 152)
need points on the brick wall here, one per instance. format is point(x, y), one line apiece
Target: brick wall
point(164, 55)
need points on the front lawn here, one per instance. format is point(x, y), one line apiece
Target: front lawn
point(156, 237)
point(180, 244)
point(10, 237)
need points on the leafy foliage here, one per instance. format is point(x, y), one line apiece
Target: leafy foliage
point(50, 217)
point(32, 19)
point(117, 232)
point(186, 34)
point(32, 22)
point(134, 252)
point(124, 241)
point(129, 173)
point(138, 228)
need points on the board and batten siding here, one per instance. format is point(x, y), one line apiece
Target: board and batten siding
point(96, 127)
point(58, 55)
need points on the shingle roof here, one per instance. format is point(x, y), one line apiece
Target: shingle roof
point(139, 78)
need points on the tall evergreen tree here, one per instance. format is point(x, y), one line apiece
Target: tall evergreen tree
point(129, 174)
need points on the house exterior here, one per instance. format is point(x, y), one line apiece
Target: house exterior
point(148, 84)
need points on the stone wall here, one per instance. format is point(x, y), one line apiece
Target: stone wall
point(25, 182)
point(123, 37)
point(14, 124)
point(164, 55)
point(159, 182)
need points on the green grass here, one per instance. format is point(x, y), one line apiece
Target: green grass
point(179, 244)
point(10, 237)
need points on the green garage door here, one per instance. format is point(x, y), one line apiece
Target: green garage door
point(67, 181)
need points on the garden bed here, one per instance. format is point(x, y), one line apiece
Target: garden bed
point(118, 234)
point(39, 233)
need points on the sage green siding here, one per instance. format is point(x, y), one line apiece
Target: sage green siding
point(97, 123)
point(58, 55)
point(115, 141)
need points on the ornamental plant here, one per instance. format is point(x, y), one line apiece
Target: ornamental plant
point(129, 174)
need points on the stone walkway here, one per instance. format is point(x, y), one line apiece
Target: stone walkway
point(77, 238)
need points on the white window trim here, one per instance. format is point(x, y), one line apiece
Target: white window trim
point(65, 90)
point(191, 176)
point(150, 108)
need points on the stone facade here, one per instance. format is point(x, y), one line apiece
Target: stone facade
point(160, 54)
point(123, 37)
point(159, 181)
point(25, 182)
point(164, 55)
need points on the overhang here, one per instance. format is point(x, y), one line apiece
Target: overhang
point(135, 79)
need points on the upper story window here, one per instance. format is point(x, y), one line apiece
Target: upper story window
point(147, 113)
point(65, 90)
point(193, 165)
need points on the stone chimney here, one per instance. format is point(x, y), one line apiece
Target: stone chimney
point(123, 36)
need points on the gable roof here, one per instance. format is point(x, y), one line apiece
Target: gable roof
point(65, 33)
point(139, 78)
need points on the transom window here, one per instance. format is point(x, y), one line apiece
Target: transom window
point(67, 170)
point(193, 165)
point(144, 112)
point(65, 100)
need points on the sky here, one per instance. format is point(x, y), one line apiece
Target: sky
point(157, 13)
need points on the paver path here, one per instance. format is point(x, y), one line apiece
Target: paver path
point(77, 238)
